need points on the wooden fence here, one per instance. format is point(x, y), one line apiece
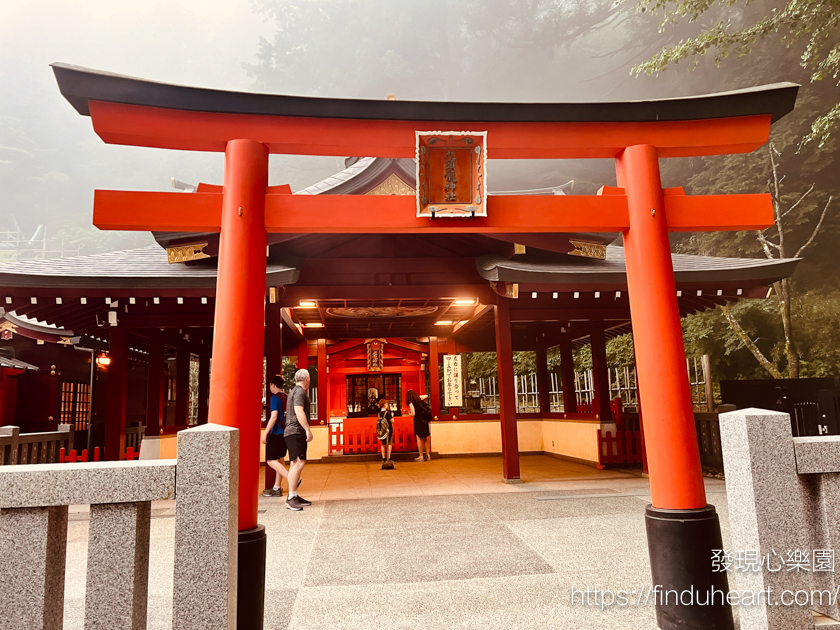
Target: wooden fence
point(34, 448)
point(625, 447)
point(56, 447)
point(708, 439)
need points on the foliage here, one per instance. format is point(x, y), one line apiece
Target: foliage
point(483, 364)
point(619, 354)
point(811, 27)
point(816, 316)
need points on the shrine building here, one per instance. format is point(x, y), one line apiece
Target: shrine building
point(360, 311)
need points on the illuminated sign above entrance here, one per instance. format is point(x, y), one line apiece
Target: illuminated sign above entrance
point(451, 175)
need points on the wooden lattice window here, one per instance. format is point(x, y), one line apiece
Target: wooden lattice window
point(75, 404)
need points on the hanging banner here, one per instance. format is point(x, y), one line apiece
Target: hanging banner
point(375, 354)
point(452, 395)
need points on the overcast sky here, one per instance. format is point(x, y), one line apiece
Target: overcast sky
point(50, 159)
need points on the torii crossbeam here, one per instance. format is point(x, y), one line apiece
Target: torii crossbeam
point(682, 527)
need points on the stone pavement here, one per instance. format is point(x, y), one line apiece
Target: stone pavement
point(441, 544)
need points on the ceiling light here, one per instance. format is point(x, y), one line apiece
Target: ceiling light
point(313, 325)
point(444, 322)
point(308, 304)
point(466, 302)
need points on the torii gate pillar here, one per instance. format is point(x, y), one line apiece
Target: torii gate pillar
point(682, 529)
point(236, 378)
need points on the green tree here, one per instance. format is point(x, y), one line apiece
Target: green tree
point(809, 27)
point(483, 364)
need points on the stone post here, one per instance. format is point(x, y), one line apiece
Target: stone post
point(206, 528)
point(766, 511)
point(818, 465)
point(118, 566)
point(33, 545)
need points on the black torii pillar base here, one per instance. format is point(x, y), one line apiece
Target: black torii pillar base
point(250, 590)
point(688, 595)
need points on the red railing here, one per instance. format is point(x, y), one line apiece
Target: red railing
point(358, 435)
point(626, 447)
point(72, 456)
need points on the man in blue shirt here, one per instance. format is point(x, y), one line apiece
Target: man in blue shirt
point(272, 437)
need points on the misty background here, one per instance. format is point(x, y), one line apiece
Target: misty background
point(469, 50)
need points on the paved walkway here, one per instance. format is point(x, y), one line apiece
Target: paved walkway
point(441, 544)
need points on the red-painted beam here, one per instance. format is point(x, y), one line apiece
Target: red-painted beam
point(205, 131)
point(712, 213)
point(164, 211)
point(408, 345)
point(392, 214)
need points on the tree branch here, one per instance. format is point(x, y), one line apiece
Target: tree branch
point(745, 339)
point(805, 194)
point(816, 229)
point(766, 244)
point(777, 198)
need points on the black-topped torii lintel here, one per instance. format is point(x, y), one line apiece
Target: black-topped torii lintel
point(80, 85)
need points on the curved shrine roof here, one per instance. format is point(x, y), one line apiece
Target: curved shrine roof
point(573, 270)
point(147, 267)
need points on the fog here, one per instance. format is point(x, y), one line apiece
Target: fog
point(51, 161)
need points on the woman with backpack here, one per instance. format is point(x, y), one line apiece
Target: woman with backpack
point(421, 412)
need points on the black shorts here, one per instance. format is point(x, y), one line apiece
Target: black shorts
point(297, 446)
point(275, 447)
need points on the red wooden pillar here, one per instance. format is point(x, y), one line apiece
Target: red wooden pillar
point(303, 355)
point(676, 480)
point(507, 392)
point(203, 384)
point(182, 384)
point(235, 382)
point(434, 377)
point(543, 380)
point(273, 364)
point(567, 372)
point(323, 382)
point(600, 374)
point(116, 396)
point(154, 386)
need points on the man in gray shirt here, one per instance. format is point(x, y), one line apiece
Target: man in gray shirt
point(297, 436)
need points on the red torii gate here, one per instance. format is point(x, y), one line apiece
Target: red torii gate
point(682, 527)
